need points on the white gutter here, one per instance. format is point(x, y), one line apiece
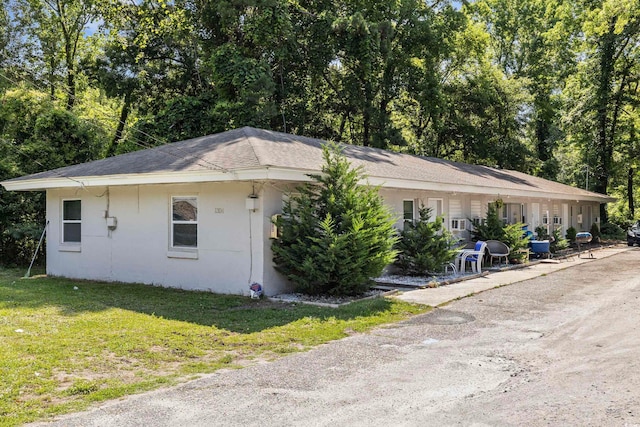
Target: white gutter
point(279, 174)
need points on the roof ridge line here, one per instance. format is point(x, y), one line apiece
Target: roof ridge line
point(249, 132)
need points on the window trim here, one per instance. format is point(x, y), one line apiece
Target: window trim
point(412, 220)
point(172, 248)
point(64, 221)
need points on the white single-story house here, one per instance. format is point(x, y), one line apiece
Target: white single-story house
point(197, 214)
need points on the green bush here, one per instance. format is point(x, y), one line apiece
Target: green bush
point(612, 231)
point(335, 234)
point(515, 238)
point(595, 232)
point(558, 242)
point(424, 247)
point(542, 233)
point(571, 234)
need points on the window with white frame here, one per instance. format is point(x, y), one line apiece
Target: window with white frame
point(184, 222)
point(71, 221)
point(408, 211)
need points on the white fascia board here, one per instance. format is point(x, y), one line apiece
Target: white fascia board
point(279, 174)
point(156, 178)
point(480, 190)
point(407, 184)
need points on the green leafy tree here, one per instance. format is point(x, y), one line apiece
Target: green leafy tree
point(336, 234)
point(57, 30)
point(601, 94)
point(151, 61)
point(35, 135)
point(424, 246)
point(532, 41)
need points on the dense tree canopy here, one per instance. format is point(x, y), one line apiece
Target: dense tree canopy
point(548, 87)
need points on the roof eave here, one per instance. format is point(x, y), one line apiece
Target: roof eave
point(279, 174)
point(485, 191)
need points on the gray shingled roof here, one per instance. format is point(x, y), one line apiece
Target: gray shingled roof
point(250, 148)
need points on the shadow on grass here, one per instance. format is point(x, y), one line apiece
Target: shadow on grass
point(229, 312)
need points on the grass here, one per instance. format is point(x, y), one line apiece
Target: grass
point(67, 344)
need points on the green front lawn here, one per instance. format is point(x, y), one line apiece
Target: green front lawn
point(64, 348)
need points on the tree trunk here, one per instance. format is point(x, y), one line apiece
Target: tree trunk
point(366, 123)
point(630, 192)
point(366, 115)
point(632, 144)
point(124, 114)
point(71, 89)
point(52, 77)
point(343, 122)
point(603, 95)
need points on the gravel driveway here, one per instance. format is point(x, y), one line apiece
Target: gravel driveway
point(561, 349)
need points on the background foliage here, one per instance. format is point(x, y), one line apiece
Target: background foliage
point(548, 87)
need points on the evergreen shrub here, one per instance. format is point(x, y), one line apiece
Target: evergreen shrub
point(492, 228)
point(424, 247)
point(336, 234)
point(558, 242)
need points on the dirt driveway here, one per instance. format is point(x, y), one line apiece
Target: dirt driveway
point(562, 349)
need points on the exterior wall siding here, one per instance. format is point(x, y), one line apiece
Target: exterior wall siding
point(533, 209)
point(138, 249)
point(234, 244)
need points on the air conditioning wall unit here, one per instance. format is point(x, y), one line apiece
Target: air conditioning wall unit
point(458, 224)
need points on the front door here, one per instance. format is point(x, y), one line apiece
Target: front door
point(535, 216)
point(436, 208)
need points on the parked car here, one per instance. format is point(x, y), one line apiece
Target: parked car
point(633, 234)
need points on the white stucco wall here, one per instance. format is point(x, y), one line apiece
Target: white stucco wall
point(234, 245)
point(231, 238)
point(532, 208)
point(395, 197)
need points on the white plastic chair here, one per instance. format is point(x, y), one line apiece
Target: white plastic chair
point(473, 257)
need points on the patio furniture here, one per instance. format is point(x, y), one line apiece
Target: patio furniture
point(582, 238)
point(499, 250)
point(469, 246)
point(540, 248)
point(472, 256)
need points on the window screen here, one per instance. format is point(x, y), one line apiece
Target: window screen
point(184, 222)
point(71, 221)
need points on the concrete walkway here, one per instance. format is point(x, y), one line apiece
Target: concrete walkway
point(444, 294)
